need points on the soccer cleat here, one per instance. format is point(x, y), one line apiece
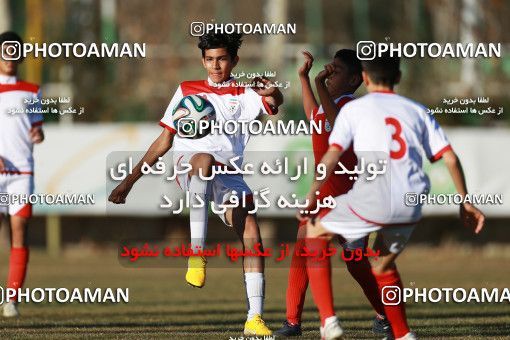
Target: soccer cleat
point(10, 310)
point(256, 326)
point(332, 329)
point(382, 327)
point(409, 336)
point(289, 329)
point(195, 276)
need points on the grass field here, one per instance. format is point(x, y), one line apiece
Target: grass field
point(162, 306)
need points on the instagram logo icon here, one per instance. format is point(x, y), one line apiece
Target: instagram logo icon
point(366, 50)
point(11, 50)
point(391, 295)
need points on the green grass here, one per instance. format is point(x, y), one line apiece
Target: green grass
point(162, 306)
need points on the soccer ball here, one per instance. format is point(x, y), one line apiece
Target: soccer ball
point(192, 117)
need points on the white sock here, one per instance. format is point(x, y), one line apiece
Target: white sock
point(331, 319)
point(198, 216)
point(255, 293)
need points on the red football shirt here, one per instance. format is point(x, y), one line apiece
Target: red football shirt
point(336, 184)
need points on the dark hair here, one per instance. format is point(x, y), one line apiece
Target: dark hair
point(12, 36)
point(383, 70)
point(232, 42)
point(350, 59)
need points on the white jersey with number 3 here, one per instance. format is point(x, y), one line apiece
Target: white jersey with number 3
point(396, 130)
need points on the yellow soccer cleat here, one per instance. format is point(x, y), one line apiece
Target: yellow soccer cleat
point(256, 326)
point(195, 276)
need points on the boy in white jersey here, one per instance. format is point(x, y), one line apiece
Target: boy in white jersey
point(231, 102)
point(19, 131)
point(385, 126)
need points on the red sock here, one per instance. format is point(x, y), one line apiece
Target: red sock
point(319, 273)
point(297, 285)
point(396, 315)
point(361, 271)
point(17, 268)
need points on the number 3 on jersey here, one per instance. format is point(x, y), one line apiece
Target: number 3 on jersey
point(397, 136)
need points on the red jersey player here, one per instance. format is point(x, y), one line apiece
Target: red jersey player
point(385, 125)
point(335, 86)
point(18, 133)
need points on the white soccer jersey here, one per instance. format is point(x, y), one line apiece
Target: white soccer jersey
point(16, 97)
point(231, 103)
point(386, 126)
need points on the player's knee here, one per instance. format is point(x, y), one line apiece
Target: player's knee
point(18, 231)
point(317, 231)
point(19, 223)
point(201, 162)
point(383, 266)
point(251, 228)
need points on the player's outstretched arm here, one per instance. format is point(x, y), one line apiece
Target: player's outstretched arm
point(328, 103)
point(309, 101)
point(330, 160)
point(471, 217)
point(157, 149)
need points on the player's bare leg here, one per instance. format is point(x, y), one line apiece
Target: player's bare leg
point(386, 274)
point(248, 231)
point(18, 261)
point(319, 273)
point(19, 227)
point(201, 163)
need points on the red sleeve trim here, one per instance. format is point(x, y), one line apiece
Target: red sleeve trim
point(384, 91)
point(202, 86)
point(39, 123)
point(337, 146)
point(16, 172)
point(440, 153)
point(268, 108)
point(169, 128)
point(343, 101)
point(20, 86)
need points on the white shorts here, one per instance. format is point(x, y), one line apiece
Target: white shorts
point(15, 184)
point(342, 221)
point(222, 186)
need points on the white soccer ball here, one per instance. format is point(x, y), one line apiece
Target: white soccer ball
point(192, 117)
